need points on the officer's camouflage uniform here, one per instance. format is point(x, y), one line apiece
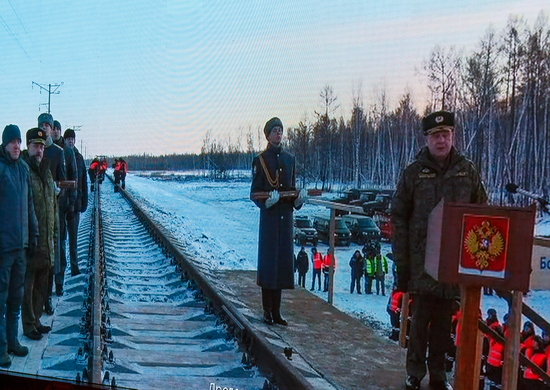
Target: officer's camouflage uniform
point(421, 187)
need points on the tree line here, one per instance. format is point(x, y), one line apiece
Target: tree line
point(500, 92)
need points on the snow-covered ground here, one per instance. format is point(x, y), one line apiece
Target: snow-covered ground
point(219, 224)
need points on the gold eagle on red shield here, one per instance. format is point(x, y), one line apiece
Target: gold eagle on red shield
point(484, 243)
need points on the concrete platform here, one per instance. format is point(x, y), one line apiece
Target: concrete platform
point(338, 348)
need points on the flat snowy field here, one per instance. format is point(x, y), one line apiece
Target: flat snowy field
point(219, 224)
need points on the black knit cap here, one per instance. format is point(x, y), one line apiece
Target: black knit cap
point(270, 124)
point(45, 118)
point(69, 133)
point(438, 121)
point(36, 135)
point(10, 133)
point(56, 125)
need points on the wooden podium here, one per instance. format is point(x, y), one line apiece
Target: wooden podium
point(474, 246)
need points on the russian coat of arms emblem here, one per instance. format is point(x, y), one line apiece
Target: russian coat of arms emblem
point(484, 244)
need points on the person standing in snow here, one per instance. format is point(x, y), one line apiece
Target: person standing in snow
point(302, 265)
point(273, 171)
point(356, 264)
point(439, 171)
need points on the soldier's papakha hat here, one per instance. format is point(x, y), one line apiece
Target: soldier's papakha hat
point(45, 118)
point(438, 121)
point(56, 125)
point(270, 124)
point(36, 136)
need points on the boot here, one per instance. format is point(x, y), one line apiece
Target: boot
point(5, 359)
point(276, 308)
point(266, 303)
point(12, 328)
point(267, 319)
point(18, 350)
point(48, 307)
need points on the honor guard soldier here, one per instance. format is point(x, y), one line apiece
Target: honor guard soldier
point(273, 171)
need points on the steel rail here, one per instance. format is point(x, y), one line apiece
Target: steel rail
point(96, 360)
point(269, 359)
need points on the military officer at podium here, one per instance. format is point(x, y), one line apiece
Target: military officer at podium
point(439, 171)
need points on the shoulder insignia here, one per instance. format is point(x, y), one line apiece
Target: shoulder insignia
point(462, 174)
point(426, 170)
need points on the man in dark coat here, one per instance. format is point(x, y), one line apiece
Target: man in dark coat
point(39, 262)
point(440, 171)
point(356, 265)
point(55, 160)
point(66, 209)
point(302, 265)
point(18, 232)
point(273, 171)
point(81, 201)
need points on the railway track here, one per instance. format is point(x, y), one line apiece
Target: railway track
point(153, 319)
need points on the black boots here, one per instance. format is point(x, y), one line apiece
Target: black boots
point(271, 302)
point(267, 317)
point(48, 307)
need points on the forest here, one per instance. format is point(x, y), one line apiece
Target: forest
point(500, 92)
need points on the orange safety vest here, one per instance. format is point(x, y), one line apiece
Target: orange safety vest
point(317, 261)
point(396, 301)
point(539, 358)
point(326, 261)
point(496, 352)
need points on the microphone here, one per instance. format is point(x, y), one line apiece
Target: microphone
point(513, 188)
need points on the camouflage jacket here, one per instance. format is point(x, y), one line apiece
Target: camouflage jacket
point(421, 187)
point(45, 207)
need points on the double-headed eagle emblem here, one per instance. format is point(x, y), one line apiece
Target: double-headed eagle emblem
point(484, 243)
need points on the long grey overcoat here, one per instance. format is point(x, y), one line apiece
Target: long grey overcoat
point(275, 242)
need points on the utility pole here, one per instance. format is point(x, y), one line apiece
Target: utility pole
point(49, 90)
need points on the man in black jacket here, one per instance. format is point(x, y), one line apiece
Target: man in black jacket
point(66, 209)
point(55, 160)
point(81, 201)
point(273, 171)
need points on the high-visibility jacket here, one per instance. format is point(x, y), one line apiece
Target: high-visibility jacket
point(539, 358)
point(327, 261)
point(317, 261)
point(496, 353)
point(396, 301)
point(369, 266)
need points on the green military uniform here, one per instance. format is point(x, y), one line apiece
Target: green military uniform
point(421, 187)
point(40, 262)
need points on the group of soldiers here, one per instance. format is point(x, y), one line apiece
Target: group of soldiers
point(43, 191)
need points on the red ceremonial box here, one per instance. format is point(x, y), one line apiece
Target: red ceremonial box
point(480, 245)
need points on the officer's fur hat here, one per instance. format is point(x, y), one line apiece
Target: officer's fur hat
point(45, 118)
point(438, 121)
point(270, 124)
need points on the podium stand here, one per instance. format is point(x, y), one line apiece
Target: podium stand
point(474, 246)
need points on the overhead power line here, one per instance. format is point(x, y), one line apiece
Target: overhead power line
point(48, 89)
point(8, 29)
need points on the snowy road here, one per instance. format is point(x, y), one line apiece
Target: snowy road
point(219, 224)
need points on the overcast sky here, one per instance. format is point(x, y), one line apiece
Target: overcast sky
point(154, 76)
